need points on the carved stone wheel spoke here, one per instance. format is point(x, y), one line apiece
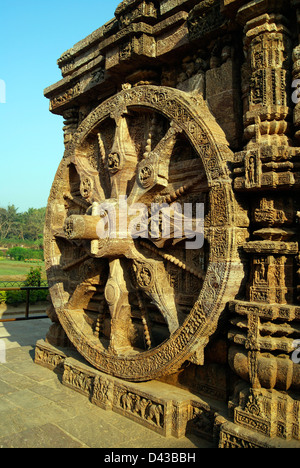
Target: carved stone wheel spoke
point(134, 289)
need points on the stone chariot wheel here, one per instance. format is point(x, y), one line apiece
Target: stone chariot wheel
point(137, 303)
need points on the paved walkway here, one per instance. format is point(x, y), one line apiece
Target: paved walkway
point(37, 411)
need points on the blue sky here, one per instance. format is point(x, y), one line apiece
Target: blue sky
point(33, 35)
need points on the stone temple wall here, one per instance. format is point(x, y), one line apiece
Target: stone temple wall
point(175, 102)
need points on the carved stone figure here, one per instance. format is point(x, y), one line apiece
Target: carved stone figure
point(155, 413)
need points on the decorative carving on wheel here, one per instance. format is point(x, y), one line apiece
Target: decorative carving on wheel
point(135, 302)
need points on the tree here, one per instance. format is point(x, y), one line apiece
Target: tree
point(9, 221)
point(22, 226)
point(33, 221)
point(17, 253)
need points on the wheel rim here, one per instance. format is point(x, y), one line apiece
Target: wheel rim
point(125, 275)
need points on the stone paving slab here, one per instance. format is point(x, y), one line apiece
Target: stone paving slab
point(37, 411)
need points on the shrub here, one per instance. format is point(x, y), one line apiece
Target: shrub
point(3, 297)
point(15, 297)
point(17, 253)
point(19, 297)
point(22, 254)
point(40, 295)
point(34, 277)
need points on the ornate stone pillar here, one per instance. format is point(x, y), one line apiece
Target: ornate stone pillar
point(296, 75)
point(265, 323)
point(267, 47)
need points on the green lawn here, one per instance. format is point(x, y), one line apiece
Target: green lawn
point(10, 269)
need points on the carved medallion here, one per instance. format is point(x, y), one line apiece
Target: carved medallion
point(113, 162)
point(159, 273)
point(146, 175)
point(86, 187)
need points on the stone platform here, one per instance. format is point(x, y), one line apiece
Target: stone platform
point(163, 408)
point(167, 410)
point(37, 411)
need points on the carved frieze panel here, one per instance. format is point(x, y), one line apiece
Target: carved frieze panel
point(76, 88)
point(204, 19)
point(271, 414)
point(141, 10)
point(266, 167)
